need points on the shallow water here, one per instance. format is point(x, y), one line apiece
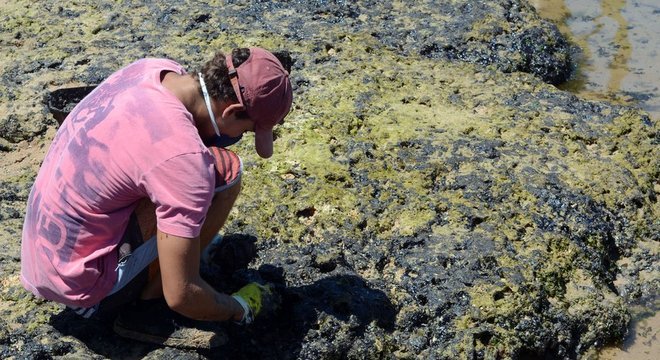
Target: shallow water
point(620, 45)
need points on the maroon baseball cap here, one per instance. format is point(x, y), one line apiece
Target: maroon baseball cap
point(263, 88)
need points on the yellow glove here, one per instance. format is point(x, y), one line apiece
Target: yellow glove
point(251, 297)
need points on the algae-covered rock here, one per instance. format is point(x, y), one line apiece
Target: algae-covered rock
point(55, 44)
point(508, 33)
point(415, 207)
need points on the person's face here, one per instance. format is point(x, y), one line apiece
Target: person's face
point(233, 127)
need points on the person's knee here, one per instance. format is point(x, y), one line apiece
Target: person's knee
point(229, 193)
point(228, 171)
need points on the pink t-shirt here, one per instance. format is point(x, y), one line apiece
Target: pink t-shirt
point(129, 139)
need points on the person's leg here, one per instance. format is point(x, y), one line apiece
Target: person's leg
point(228, 187)
point(218, 212)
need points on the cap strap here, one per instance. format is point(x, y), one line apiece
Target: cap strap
point(233, 77)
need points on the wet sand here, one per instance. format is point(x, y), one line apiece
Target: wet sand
point(640, 344)
point(619, 40)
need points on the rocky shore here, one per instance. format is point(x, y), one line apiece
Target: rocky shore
point(432, 195)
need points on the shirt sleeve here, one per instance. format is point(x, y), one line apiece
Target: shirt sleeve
point(182, 189)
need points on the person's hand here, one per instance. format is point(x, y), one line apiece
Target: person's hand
point(254, 298)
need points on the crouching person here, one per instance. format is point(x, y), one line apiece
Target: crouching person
point(132, 190)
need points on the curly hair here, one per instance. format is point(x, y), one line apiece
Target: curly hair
point(216, 75)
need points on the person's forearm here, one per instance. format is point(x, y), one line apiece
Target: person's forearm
point(202, 302)
point(184, 290)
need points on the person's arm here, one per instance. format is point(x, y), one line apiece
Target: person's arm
point(185, 291)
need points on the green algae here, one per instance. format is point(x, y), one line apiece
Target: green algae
point(26, 310)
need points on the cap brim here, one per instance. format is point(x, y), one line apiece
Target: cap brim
point(263, 141)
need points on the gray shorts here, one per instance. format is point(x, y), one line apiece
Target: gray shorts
point(133, 264)
point(134, 255)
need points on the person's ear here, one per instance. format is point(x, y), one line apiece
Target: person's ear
point(232, 109)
